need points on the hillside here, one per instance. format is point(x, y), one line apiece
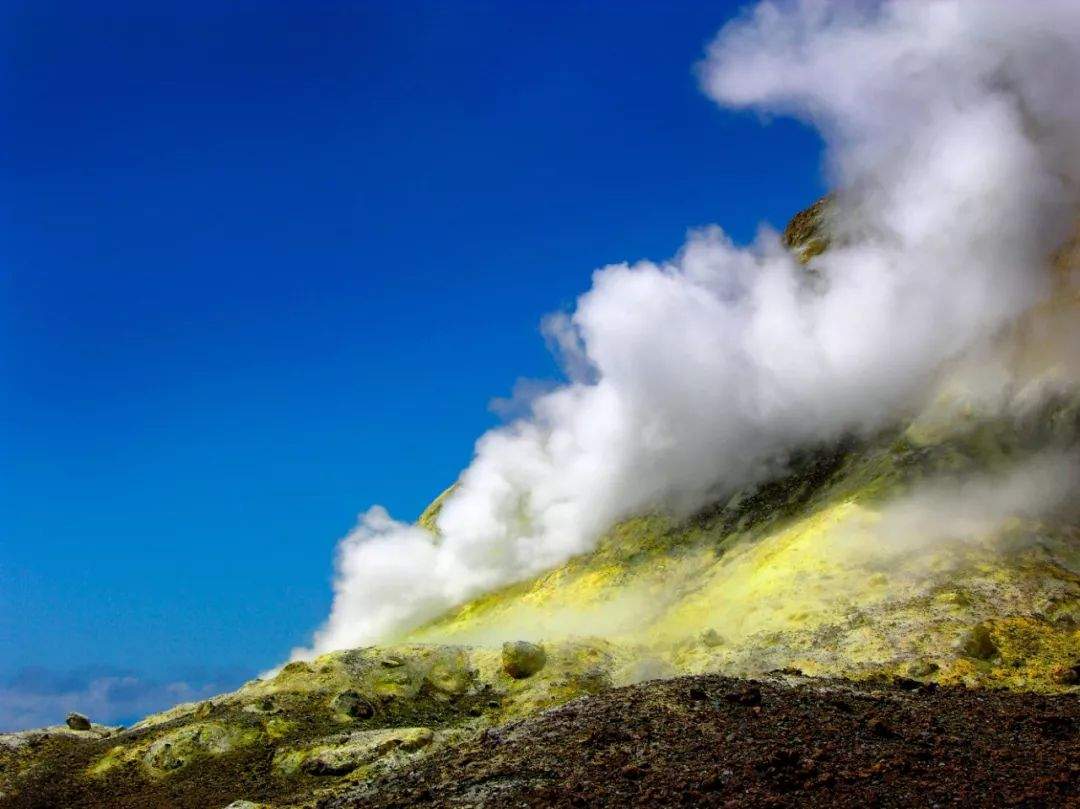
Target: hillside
point(904, 557)
point(879, 554)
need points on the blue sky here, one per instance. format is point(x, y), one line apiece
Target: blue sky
point(266, 264)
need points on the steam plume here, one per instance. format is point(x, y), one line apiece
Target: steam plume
point(953, 139)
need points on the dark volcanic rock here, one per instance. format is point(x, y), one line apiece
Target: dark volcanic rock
point(670, 743)
point(76, 721)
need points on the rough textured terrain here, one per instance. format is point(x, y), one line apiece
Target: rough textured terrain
point(714, 741)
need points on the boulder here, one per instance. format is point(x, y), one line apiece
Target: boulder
point(76, 721)
point(521, 659)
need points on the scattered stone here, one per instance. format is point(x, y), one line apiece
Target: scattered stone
point(76, 721)
point(521, 659)
point(674, 745)
point(1056, 726)
point(784, 758)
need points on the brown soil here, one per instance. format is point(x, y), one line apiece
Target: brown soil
point(714, 741)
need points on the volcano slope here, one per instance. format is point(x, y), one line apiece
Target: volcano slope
point(923, 582)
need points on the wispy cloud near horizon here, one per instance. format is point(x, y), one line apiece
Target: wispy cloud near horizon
point(32, 696)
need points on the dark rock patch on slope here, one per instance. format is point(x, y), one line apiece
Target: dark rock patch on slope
point(714, 741)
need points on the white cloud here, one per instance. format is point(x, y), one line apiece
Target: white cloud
point(37, 697)
point(953, 139)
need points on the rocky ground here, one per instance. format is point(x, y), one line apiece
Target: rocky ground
point(782, 740)
point(714, 741)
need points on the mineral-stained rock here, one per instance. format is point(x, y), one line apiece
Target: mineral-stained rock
point(341, 755)
point(179, 748)
point(521, 659)
point(979, 643)
point(353, 705)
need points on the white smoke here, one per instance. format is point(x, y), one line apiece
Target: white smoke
point(953, 138)
point(958, 513)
